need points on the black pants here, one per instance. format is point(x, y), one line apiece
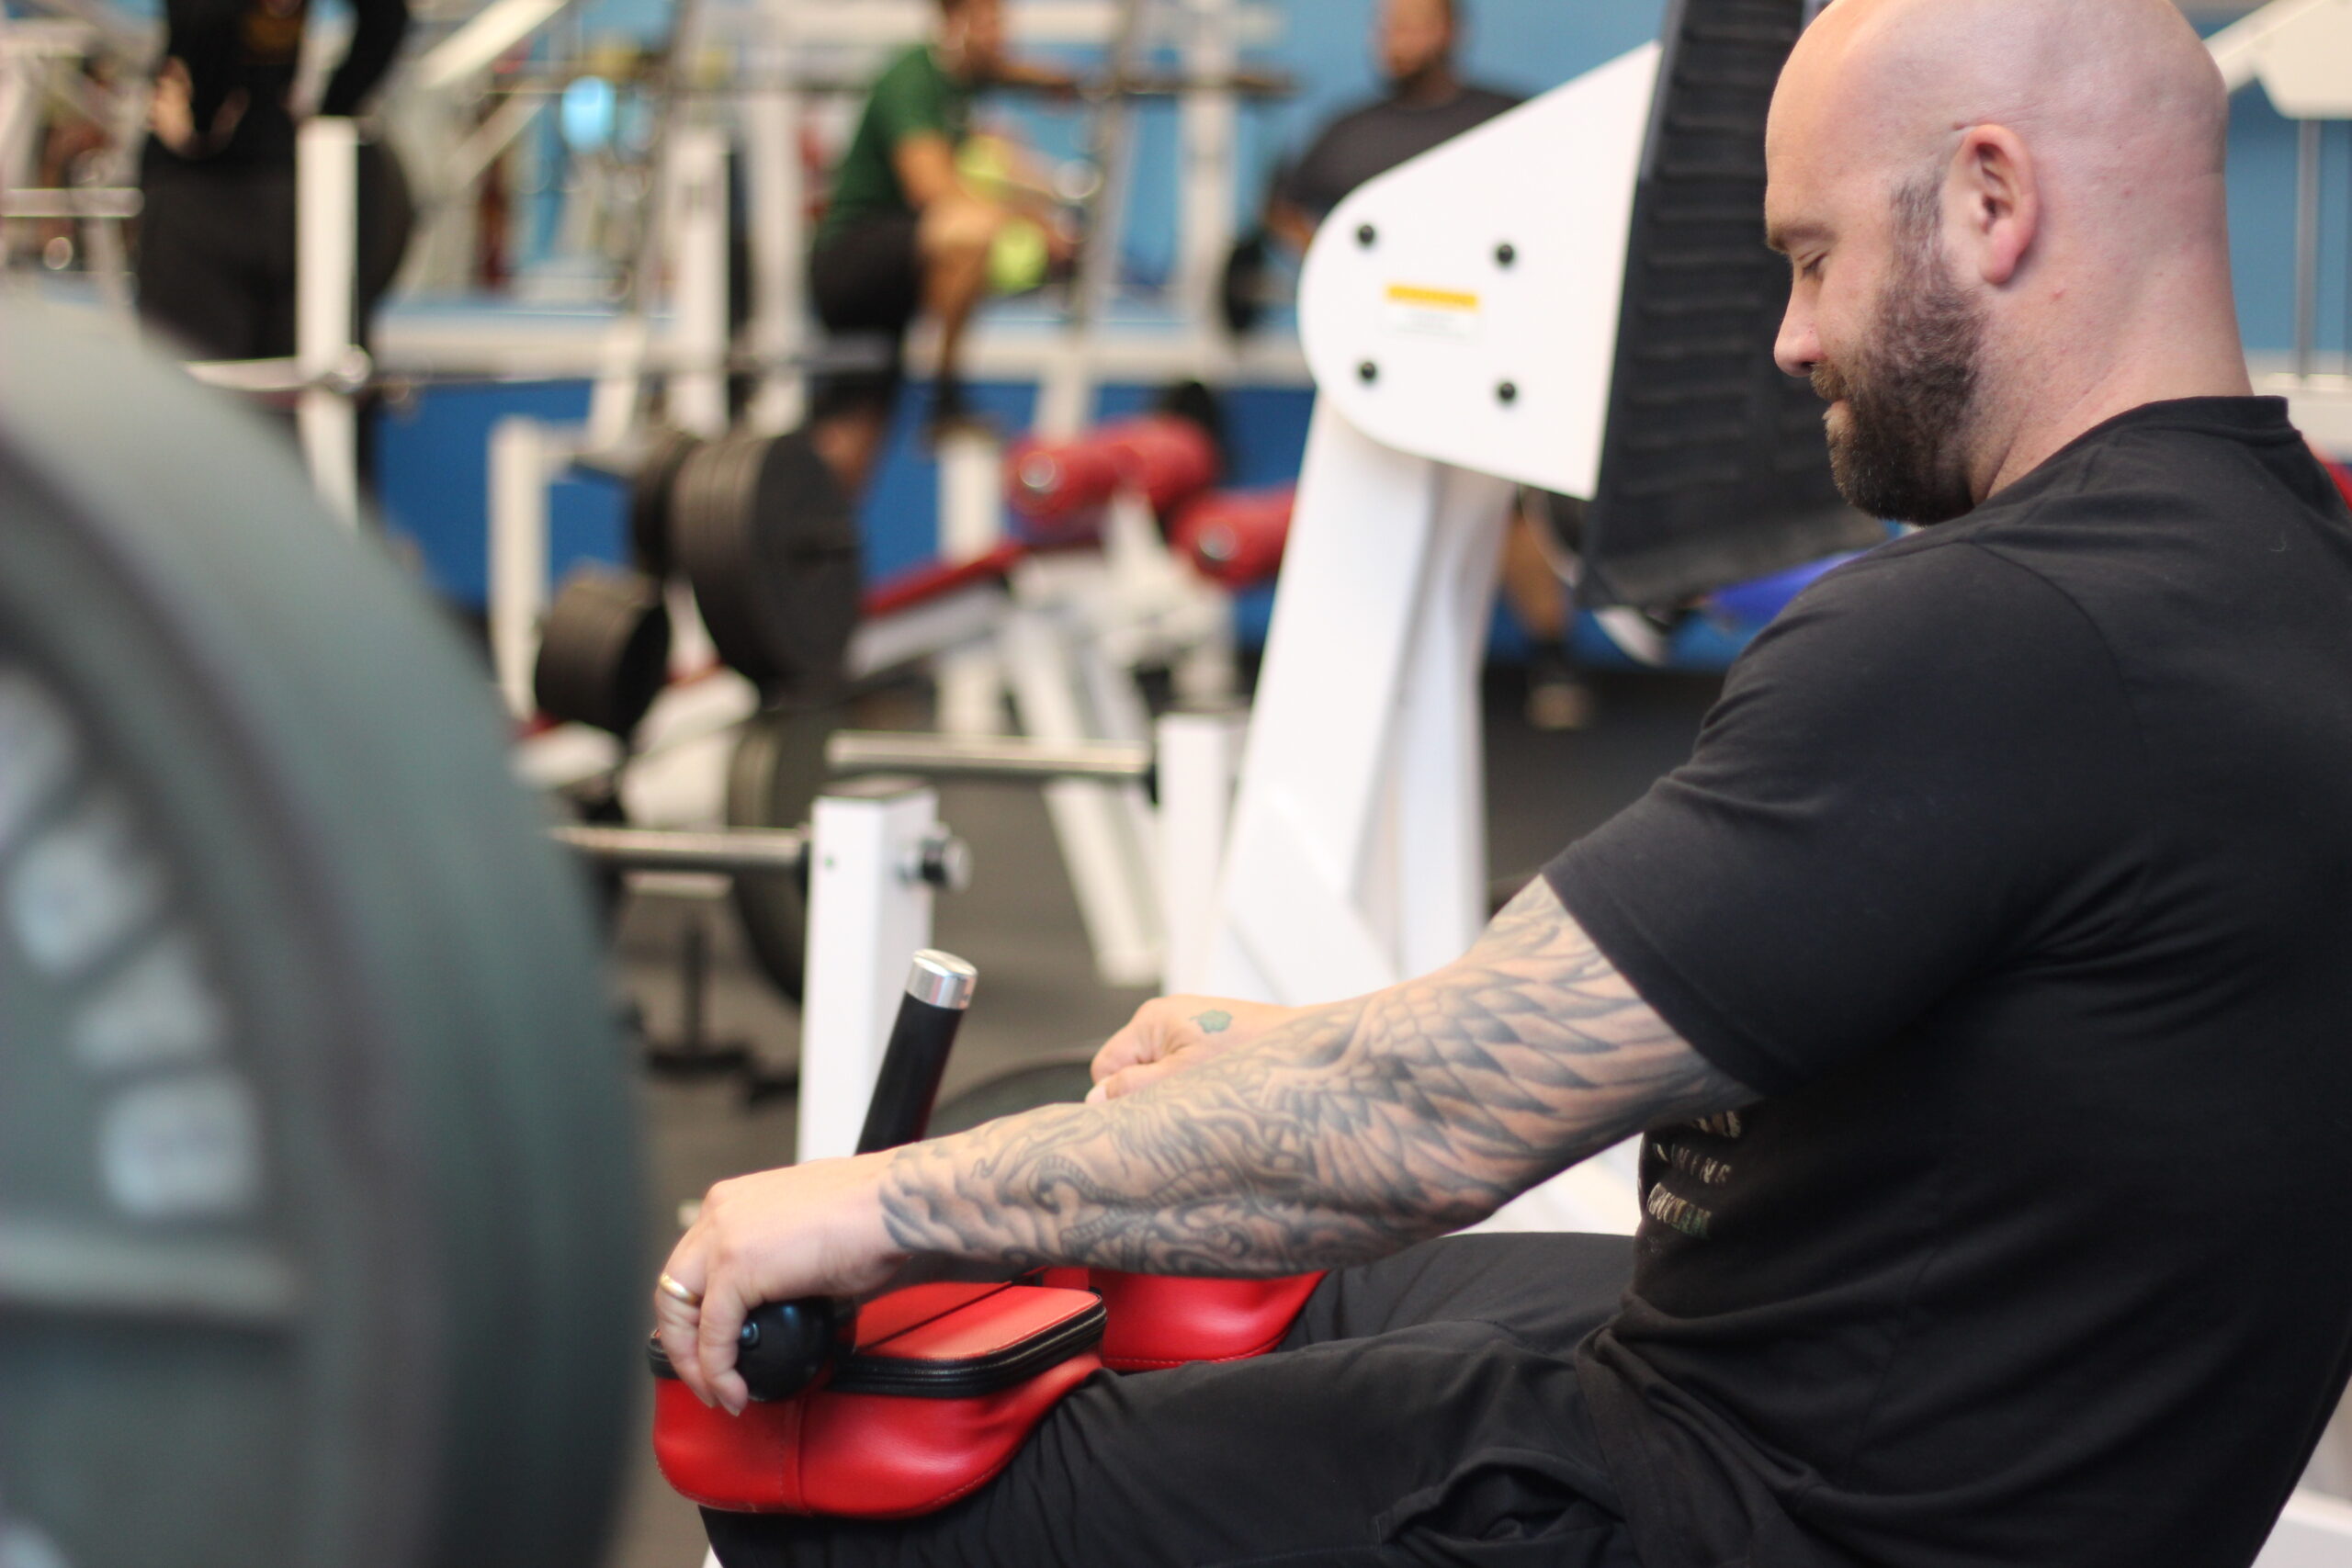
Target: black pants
point(216, 251)
point(866, 282)
point(1423, 1411)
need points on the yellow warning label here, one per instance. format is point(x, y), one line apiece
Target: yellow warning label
point(1431, 313)
point(1430, 299)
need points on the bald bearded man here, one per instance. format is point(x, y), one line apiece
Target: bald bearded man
point(1979, 983)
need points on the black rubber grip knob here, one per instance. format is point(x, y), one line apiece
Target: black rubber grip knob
point(784, 1345)
point(938, 990)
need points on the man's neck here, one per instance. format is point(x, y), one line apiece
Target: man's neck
point(2051, 417)
point(1430, 87)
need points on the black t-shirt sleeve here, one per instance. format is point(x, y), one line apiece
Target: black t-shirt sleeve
point(1924, 764)
point(378, 27)
point(1314, 181)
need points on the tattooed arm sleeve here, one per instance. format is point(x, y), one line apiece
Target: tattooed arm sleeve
point(1348, 1133)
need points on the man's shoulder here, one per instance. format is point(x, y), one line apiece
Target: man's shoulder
point(1914, 604)
point(1491, 101)
point(915, 65)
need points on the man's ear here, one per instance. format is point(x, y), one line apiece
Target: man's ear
point(1997, 191)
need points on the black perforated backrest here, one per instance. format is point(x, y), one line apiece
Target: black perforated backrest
point(1714, 469)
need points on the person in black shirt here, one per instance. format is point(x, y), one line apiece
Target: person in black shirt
point(216, 234)
point(1427, 104)
point(1977, 987)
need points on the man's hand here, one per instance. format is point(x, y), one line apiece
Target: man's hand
point(807, 1229)
point(172, 114)
point(1170, 1033)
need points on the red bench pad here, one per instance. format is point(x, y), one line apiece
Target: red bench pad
point(1161, 1320)
point(888, 1455)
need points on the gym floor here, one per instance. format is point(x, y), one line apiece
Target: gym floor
point(1039, 997)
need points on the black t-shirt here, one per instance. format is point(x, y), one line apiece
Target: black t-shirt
point(1375, 139)
point(253, 48)
point(2015, 870)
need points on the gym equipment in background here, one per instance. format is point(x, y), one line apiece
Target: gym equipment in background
point(318, 1150)
point(605, 650)
point(1712, 469)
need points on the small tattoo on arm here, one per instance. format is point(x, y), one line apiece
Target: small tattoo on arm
point(1216, 1021)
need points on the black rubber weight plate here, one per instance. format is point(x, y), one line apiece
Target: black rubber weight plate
point(649, 495)
point(603, 651)
point(317, 1156)
point(711, 536)
point(808, 544)
point(1062, 1081)
point(772, 780)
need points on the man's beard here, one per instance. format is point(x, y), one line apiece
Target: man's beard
point(1901, 450)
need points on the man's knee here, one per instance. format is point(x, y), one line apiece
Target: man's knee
point(959, 232)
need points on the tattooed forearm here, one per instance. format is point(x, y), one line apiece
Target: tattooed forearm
point(1349, 1133)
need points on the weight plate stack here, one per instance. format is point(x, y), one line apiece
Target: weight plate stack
point(773, 782)
point(318, 1200)
point(650, 491)
point(769, 542)
point(603, 651)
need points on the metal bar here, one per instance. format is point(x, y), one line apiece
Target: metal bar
point(51, 1267)
point(732, 851)
point(984, 756)
point(482, 145)
point(72, 202)
point(2307, 227)
point(326, 256)
point(486, 34)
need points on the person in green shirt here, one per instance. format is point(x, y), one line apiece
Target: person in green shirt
point(905, 234)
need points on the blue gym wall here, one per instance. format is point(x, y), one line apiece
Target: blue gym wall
point(433, 453)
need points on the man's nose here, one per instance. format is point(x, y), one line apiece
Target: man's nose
point(1798, 348)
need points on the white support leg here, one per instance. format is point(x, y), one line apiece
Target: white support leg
point(1290, 924)
point(1437, 761)
point(971, 523)
point(326, 256)
point(521, 463)
point(1094, 822)
point(1198, 755)
point(869, 909)
point(697, 187)
point(1208, 123)
point(20, 119)
point(779, 249)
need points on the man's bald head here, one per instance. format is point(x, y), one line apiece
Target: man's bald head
point(2036, 185)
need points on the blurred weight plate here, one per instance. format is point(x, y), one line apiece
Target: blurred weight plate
point(318, 1207)
point(649, 495)
point(603, 651)
point(769, 542)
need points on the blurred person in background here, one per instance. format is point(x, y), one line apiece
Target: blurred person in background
point(216, 234)
point(925, 217)
point(1427, 104)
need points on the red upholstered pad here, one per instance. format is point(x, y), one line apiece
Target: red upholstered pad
point(1161, 1321)
point(878, 1456)
point(887, 1317)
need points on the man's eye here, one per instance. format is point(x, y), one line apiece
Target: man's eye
point(1809, 267)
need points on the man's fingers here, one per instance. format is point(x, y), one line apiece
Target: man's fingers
point(715, 1336)
point(677, 1323)
point(1142, 1076)
point(1126, 1049)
